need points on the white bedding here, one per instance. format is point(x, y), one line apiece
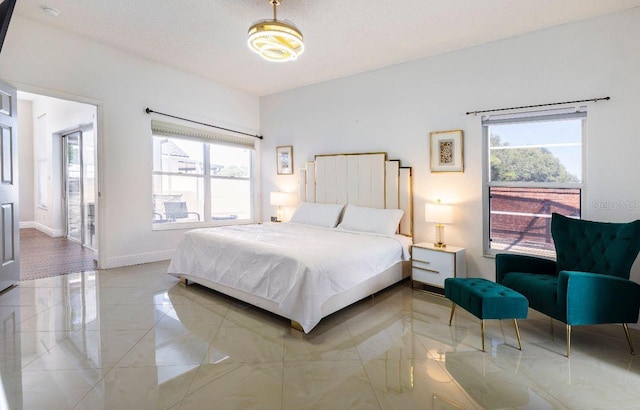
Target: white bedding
point(296, 266)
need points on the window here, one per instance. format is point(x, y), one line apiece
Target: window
point(533, 168)
point(200, 177)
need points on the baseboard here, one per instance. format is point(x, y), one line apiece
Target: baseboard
point(129, 260)
point(54, 233)
point(28, 225)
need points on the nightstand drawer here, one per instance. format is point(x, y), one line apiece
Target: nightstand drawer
point(434, 278)
point(433, 260)
point(431, 265)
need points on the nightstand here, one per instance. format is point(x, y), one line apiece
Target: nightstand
point(431, 265)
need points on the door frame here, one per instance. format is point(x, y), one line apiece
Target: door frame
point(98, 130)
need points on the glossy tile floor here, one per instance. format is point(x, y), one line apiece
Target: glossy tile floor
point(135, 338)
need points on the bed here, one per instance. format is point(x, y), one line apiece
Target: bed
point(307, 269)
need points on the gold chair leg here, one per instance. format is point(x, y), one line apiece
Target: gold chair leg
point(626, 332)
point(568, 340)
point(482, 325)
point(515, 326)
point(453, 309)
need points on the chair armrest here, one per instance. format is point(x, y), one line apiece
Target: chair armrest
point(506, 263)
point(194, 213)
point(593, 298)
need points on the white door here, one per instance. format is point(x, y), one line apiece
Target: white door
point(9, 222)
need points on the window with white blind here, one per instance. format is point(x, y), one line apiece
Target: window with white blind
point(533, 168)
point(200, 177)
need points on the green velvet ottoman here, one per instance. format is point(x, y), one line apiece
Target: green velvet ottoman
point(486, 300)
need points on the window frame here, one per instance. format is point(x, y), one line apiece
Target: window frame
point(207, 144)
point(526, 117)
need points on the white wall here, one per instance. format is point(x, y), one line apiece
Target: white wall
point(25, 159)
point(44, 60)
point(394, 109)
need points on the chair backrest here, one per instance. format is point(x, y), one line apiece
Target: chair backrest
point(176, 209)
point(596, 247)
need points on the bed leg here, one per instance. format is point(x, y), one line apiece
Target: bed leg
point(296, 326)
point(184, 281)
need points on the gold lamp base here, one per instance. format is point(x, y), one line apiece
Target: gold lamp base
point(440, 237)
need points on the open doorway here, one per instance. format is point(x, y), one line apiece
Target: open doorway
point(58, 185)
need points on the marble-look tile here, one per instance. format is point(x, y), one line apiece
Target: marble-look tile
point(161, 387)
point(160, 344)
point(497, 382)
point(200, 320)
point(129, 317)
point(169, 346)
point(57, 389)
point(85, 349)
point(390, 340)
point(56, 318)
point(325, 342)
point(415, 384)
point(236, 386)
point(26, 347)
point(238, 344)
point(597, 382)
point(32, 296)
point(249, 317)
point(327, 384)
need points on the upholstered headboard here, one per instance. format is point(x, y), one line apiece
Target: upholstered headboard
point(360, 179)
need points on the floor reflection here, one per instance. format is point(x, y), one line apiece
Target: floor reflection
point(135, 338)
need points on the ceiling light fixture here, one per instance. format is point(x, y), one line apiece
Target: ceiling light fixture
point(275, 40)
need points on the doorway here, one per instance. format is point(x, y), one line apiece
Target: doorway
point(59, 227)
point(78, 186)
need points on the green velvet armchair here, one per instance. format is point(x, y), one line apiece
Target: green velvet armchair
point(589, 284)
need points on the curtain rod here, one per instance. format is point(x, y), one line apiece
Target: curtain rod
point(539, 105)
point(149, 111)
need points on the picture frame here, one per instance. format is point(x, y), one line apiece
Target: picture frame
point(284, 160)
point(447, 153)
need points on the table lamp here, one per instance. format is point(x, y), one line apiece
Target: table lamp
point(281, 199)
point(440, 214)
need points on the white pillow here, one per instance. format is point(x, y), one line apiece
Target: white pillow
point(310, 213)
point(382, 221)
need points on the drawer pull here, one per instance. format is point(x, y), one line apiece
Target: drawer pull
point(418, 260)
point(427, 270)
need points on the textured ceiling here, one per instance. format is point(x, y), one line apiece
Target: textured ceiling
point(342, 37)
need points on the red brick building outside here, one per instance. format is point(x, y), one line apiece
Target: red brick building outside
point(520, 218)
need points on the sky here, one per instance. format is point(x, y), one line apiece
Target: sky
point(567, 134)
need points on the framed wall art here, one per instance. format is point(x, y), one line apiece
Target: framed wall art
point(446, 151)
point(284, 160)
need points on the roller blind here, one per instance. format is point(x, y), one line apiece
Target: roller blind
point(174, 130)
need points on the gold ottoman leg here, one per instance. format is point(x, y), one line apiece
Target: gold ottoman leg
point(626, 332)
point(515, 326)
point(453, 309)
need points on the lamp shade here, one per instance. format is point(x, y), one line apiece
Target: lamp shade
point(438, 213)
point(283, 199)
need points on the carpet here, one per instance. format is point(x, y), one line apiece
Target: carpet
point(42, 256)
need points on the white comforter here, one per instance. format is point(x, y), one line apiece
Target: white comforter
point(296, 266)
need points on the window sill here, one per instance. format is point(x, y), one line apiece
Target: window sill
point(172, 226)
